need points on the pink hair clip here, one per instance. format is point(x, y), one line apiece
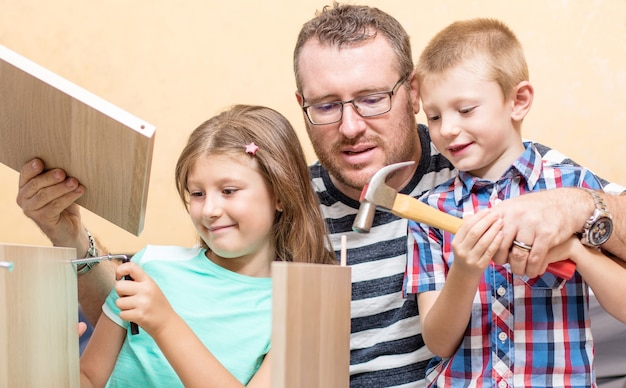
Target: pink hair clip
point(252, 148)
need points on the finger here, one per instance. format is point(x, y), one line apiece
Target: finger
point(474, 226)
point(537, 258)
point(518, 258)
point(30, 170)
point(133, 270)
point(82, 328)
point(489, 242)
point(509, 231)
point(50, 189)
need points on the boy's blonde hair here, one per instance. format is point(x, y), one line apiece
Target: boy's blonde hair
point(299, 230)
point(489, 42)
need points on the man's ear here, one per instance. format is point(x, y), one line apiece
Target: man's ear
point(414, 94)
point(299, 98)
point(522, 100)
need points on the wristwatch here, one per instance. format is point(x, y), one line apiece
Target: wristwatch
point(92, 251)
point(599, 226)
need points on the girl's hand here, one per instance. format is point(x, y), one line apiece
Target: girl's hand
point(477, 241)
point(141, 300)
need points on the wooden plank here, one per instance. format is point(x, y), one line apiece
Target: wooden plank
point(39, 303)
point(107, 149)
point(310, 325)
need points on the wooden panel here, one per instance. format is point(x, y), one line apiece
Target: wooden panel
point(107, 149)
point(310, 325)
point(38, 318)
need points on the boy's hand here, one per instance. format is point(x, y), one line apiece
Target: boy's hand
point(477, 241)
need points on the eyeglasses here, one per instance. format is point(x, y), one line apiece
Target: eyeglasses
point(369, 105)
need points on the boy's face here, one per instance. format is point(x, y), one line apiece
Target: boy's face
point(471, 121)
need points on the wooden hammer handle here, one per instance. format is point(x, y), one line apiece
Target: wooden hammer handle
point(413, 209)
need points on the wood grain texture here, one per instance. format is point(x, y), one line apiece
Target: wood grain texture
point(310, 325)
point(38, 317)
point(107, 149)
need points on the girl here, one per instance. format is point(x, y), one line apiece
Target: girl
point(244, 181)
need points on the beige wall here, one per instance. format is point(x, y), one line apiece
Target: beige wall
point(176, 63)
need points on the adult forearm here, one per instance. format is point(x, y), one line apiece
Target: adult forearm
point(94, 287)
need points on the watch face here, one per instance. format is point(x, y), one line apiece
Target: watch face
point(600, 231)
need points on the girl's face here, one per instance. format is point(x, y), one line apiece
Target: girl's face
point(470, 122)
point(233, 210)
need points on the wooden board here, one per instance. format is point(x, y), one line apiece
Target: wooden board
point(107, 149)
point(38, 318)
point(310, 325)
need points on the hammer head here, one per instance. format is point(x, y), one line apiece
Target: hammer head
point(376, 193)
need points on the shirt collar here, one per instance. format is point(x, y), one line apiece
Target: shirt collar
point(528, 167)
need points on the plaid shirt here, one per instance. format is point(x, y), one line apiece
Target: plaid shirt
point(522, 332)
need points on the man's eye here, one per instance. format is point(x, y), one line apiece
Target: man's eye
point(325, 107)
point(372, 99)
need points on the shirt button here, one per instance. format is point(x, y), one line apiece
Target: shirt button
point(502, 337)
point(501, 291)
point(502, 384)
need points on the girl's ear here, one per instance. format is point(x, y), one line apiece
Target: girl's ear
point(279, 206)
point(522, 100)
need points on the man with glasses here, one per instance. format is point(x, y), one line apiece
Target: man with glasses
point(355, 84)
point(353, 68)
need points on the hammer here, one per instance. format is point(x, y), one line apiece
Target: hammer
point(376, 193)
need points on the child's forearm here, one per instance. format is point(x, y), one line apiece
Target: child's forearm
point(444, 323)
point(193, 362)
point(605, 276)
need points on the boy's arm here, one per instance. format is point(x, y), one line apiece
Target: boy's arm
point(604, 275)
point(617, 243)
point(100, 355)
point(444, 314)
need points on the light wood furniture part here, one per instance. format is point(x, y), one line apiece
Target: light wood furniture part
point(310, 325)
point(107, 149)
point(38, 318)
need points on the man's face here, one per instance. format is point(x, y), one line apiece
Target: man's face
point(354, 148)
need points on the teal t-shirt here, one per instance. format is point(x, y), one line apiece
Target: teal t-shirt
point(229, 312)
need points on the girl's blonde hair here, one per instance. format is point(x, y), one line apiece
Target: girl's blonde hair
point(299, 230)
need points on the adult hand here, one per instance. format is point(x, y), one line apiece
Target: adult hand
point(48, 198)
point(542, 220)
point(141, 300)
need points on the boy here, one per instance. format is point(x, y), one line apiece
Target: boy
point(487, 325)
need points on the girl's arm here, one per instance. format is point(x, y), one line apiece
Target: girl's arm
point(445, 314)
point(194, 363)
point(143, 302)
point(604, 275)
point(100, 355)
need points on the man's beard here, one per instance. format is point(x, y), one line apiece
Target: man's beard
point(400, 150)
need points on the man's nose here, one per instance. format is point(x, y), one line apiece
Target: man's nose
point(352, 123)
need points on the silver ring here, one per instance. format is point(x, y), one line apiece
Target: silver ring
point(523, 246)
